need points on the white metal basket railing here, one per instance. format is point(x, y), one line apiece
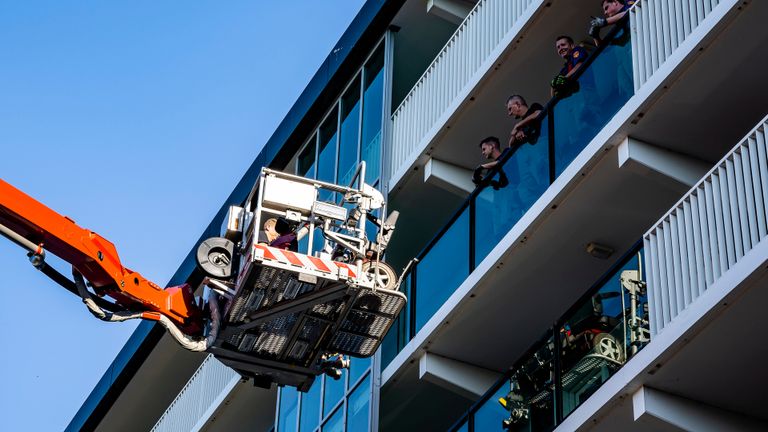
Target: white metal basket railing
point(659, 27)
point(203, 392)
point(472, 49)
point(715, 224)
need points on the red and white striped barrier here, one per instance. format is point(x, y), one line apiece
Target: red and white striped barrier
point(283, 256)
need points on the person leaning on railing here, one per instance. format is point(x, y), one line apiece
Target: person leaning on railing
point(574, 56)
point(613, 11)
point(490, 148)
point(528, 127)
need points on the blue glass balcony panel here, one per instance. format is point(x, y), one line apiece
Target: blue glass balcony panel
point(603, 333)
point(442, 269)
point(490, 414)
point(604, 87)
point(511, 192)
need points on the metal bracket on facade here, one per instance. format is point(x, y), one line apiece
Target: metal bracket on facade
point(653, 406)
point(449, 177)
point(461, 378)
point(641, 157)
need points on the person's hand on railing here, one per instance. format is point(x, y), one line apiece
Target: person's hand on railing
point(477, 175)
point(596, 24)
point(560, 84)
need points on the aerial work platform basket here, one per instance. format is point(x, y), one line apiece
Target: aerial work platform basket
point(302, 284)
point(294, 285)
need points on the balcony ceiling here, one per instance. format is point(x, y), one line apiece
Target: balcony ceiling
point(419, 38)
point(719, 97)
point(153, 387)
point(412, 405)
point(247, 408)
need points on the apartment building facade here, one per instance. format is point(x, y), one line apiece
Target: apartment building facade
point(608, 274)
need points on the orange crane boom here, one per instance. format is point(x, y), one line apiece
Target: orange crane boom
point(36, 227)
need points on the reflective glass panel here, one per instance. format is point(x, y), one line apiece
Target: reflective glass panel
point(357, 369)
point(350, 125)
point(358, 407)
point(326, 161)
point(491, 413)
point(306, 165)
point(463, 428)
point(529, 397)
point(310, 408)
point(603, 89)
point(442, 270)
point(334, 391)
point(372, 114)
point(336, 422)
point(289, 398)
point(603, 333)
point(398, 335)
point(511, 192)
point(389, 348)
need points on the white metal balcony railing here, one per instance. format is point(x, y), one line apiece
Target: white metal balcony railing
point(659, 27)
point(210, 383)
point(472, 49)
point(718, 222)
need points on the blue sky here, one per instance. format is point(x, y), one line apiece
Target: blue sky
point(135, 119)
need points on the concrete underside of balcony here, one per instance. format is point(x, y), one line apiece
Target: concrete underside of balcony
point(712, 355)
point(700, 109)
point(152, 389)
point(155, 386)
point(246, 408)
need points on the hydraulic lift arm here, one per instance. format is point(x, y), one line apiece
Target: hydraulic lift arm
point(39, 229)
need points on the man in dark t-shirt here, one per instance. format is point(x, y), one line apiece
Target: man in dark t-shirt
point(574, 57)
point(614, 11)
point(528, 127)
point(490, 148)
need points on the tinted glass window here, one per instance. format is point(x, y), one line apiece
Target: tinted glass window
point(289, 398)
point(350, 125)
point(372, 115)
point(334, 391)
point(358, 407)
point(326, 162)
point(306, 164)
point(310, 407)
